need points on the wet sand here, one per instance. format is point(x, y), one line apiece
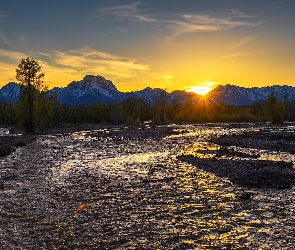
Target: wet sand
point(169, 187)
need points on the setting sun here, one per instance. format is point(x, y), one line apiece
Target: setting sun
point(199, 90)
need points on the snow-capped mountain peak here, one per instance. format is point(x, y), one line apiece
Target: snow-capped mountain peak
point(89, 90)
point(234, 95)
point(10, 92)
point(94, 82)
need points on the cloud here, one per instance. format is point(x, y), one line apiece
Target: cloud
point(185, 23)
point(243, 42)
point(88, 60)
point(11, 56)
point(126, 73)
point(242, 53)
point(122, 11)
point(127, 11)
point(201, 23)
point(240, 14)
point(63, 67)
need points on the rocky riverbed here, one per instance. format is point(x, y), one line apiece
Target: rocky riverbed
point(212, 186)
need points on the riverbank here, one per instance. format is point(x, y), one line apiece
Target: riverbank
point(165, 187)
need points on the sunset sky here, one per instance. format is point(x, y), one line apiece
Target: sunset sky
point(172, 44)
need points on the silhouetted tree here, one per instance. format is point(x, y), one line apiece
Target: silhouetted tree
point(30, 77)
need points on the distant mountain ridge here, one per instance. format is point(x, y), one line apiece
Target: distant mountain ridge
point(234, 95)
point(93, 89)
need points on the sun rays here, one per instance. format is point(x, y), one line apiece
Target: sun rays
point(199, 90)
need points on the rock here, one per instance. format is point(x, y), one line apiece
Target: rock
point(20, 144)
point(6, 150)
point(9, 143)
point(245, 196)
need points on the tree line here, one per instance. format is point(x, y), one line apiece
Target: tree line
point(35, 109)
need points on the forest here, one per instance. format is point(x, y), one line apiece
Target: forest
point(50, 113)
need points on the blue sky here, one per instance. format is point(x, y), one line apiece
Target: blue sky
point(172, 44)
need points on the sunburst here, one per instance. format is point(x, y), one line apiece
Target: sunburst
point(199, 90)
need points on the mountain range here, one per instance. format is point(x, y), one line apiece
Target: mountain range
point(93, 89)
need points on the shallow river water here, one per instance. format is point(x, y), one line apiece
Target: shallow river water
point(167, 187)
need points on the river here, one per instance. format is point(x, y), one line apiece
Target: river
point(151, 187)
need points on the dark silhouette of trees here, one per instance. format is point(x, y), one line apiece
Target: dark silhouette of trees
point(160, 107)
point(275, 109)
point(173, 110)
point(7, 113)
point(257, 108)
point(46, 111)
point(30, 77)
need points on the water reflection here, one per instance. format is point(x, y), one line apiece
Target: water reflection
point(169, 187)
point(199, 208)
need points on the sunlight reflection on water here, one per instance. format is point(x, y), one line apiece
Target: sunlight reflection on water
point(194, 209)
point(123, 165)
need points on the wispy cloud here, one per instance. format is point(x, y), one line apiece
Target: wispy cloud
point(88, 60)
point(183, 23)
point(11, 56)
point(197, 23)
point(243, 41)
point(240, 14)
point(127, 11)
point(122, 11)
point(62, 67)
point(241, 53)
